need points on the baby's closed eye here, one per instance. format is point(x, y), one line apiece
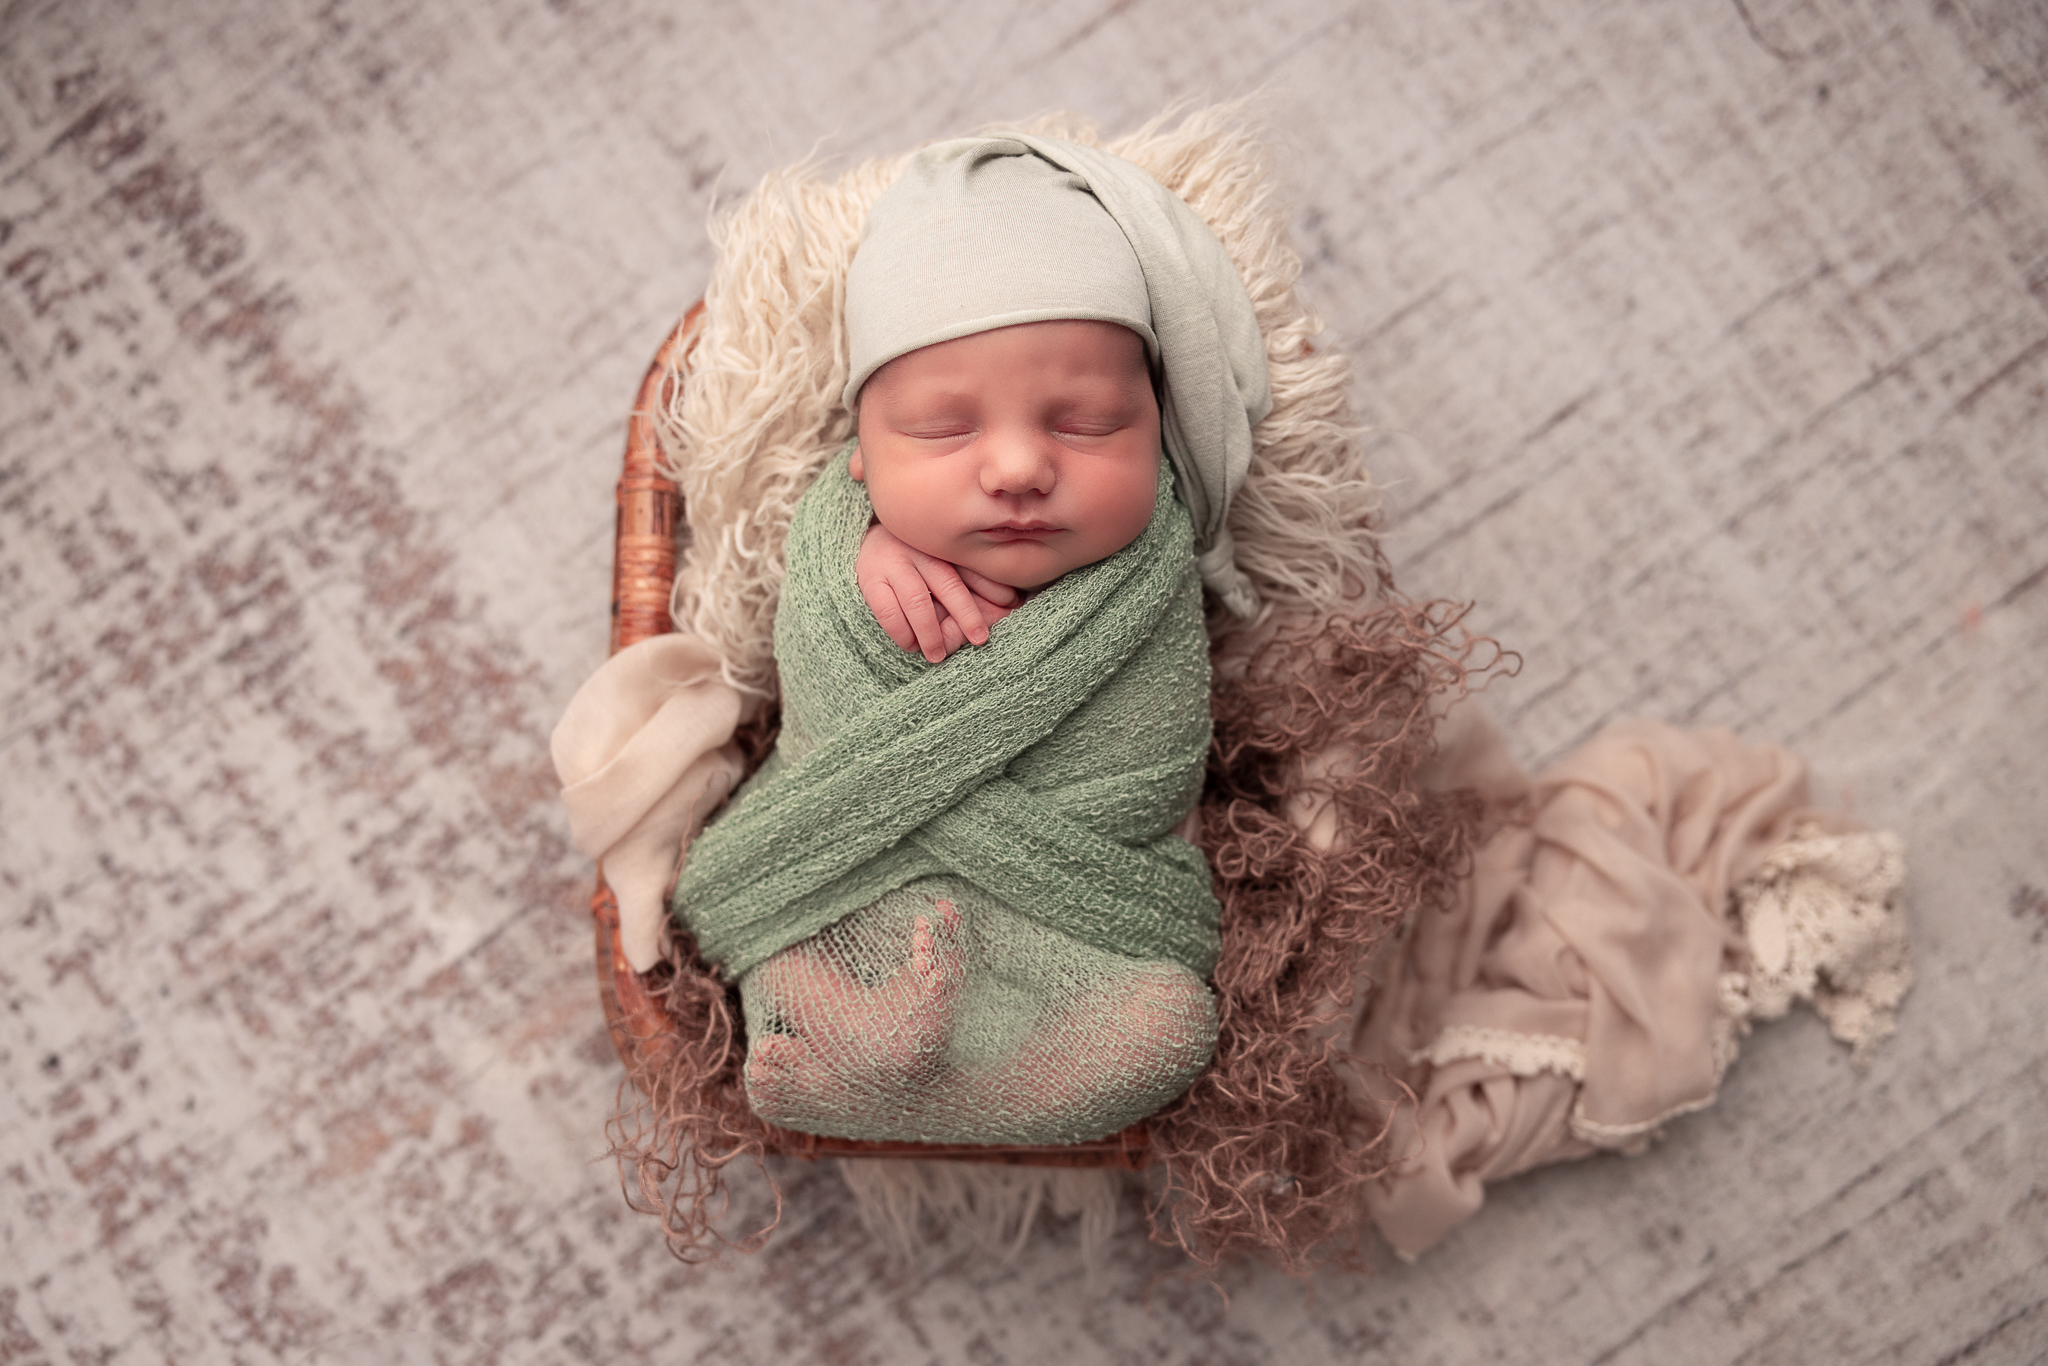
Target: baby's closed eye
point(937, 430)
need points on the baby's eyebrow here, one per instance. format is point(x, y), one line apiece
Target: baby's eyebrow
point(1103, 396)
point(935, 395)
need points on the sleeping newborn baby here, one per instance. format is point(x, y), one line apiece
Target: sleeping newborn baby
point(1013, 457)
point(954, 897)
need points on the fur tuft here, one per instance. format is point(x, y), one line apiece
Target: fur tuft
point(995, 1207)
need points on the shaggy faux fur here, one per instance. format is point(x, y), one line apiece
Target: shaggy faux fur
point(1325, 701)
point(994, 1209)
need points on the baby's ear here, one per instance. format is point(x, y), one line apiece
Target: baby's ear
point(853, 467)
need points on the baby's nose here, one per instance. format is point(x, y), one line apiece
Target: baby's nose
point(1018, 462)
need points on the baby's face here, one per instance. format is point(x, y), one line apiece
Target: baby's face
point(1021, 453)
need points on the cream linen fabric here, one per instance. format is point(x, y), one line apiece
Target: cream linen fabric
point(1590, 982)
point(645, 755)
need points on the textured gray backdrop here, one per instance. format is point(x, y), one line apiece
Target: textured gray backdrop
point(1709, 343)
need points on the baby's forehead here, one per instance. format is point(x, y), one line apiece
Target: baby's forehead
point(1082, 351)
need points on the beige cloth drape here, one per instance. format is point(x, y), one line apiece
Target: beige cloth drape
point(1593, 978)
point(645, 755)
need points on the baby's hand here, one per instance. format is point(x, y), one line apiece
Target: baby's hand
point(925, 603)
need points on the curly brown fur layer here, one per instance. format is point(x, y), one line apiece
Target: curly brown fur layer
point(682, 1116)
point(1269, 1151)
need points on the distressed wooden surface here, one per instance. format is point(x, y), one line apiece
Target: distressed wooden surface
point(1710, 348)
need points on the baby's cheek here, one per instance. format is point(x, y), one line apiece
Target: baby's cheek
point(1132, 507)
point(905, 514)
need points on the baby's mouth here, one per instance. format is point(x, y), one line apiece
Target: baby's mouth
point(1020, 531)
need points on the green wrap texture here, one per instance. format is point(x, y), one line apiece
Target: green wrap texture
point(1046, 768)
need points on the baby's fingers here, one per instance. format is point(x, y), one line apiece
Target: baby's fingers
point(922, 613)
point(960, 602)
point(881, 599)
point(1001, 594)
point(992, 612)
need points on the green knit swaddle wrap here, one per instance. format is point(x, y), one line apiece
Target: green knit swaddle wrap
point(952, 896)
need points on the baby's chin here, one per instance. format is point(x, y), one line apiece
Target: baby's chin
point(1024, 568)
point(1028, 565)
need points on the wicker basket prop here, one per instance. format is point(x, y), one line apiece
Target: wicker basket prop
point(1269, 1151)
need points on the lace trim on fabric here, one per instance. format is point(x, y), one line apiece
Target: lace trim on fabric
point(1525, 1055)
point(1729, 1026)
point(1824, 922)
point(1630, 1138)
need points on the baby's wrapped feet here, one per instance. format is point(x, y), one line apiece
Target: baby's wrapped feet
point(837, 1030)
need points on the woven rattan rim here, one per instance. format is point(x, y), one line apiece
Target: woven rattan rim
point(643, 573)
